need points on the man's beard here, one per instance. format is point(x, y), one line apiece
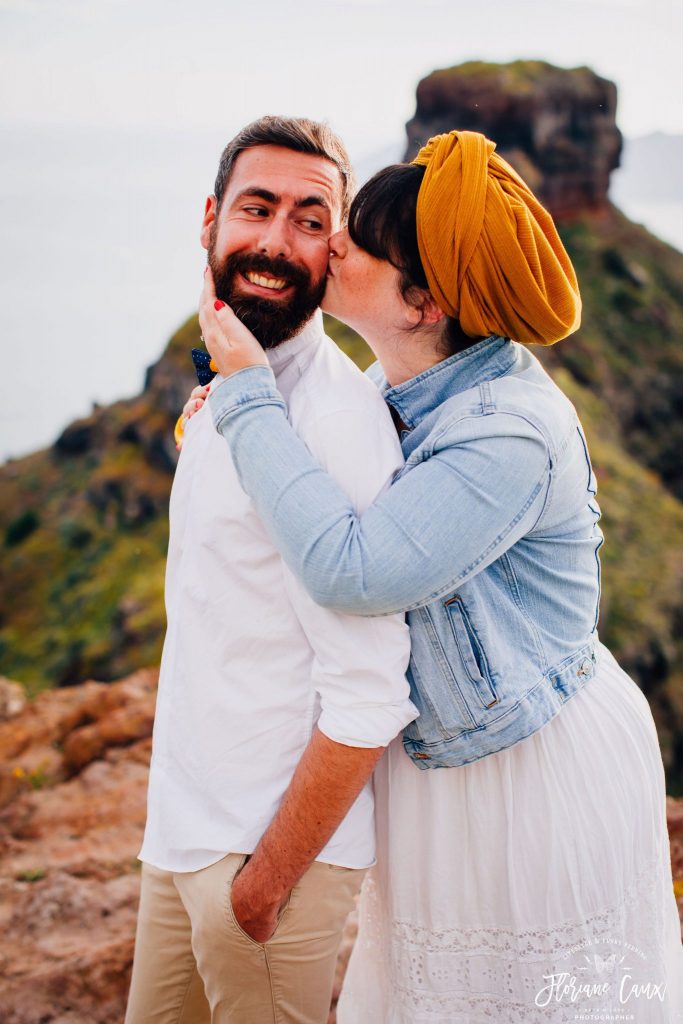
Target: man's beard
point(272, 321)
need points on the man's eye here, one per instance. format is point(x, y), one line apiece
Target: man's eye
point(257, 211)
point(312, 224)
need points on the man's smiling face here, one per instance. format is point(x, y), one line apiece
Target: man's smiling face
point(267, 243)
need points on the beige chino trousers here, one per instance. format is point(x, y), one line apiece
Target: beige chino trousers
point(194, 965)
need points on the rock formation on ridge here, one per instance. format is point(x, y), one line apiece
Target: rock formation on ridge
point(557, 127)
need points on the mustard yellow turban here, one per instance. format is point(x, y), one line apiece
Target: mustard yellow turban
point(491, 252)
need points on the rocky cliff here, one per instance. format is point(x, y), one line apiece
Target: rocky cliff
point(556, 126)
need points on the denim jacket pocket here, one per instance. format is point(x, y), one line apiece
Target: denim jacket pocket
point(471, 652)
point(435, 688)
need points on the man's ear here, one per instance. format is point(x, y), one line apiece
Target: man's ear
point(208, 221)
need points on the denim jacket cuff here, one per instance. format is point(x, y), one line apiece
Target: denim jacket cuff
point(253, 386)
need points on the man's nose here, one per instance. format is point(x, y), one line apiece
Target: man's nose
point(337, 243)
point(274, 238)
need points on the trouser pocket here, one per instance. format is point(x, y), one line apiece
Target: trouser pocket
point(289, 978)
point(284, 906)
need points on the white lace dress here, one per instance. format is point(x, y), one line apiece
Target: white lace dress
point(533, 885)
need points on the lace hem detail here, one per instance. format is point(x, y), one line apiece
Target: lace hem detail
point(578, 970)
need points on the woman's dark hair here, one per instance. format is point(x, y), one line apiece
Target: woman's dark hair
point(383, 222)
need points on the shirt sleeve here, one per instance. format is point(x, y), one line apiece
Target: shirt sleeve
point(359, 667)
point(482, 488)
point(359, 664)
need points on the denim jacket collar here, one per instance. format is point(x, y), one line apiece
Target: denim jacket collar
point(417, 397)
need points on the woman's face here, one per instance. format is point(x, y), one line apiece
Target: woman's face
point(364, 292)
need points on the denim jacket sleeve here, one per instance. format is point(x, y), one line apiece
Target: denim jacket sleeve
point(482, 487)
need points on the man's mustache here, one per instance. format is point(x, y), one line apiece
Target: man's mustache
point(258, 263)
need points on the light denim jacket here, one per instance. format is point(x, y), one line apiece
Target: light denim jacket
point(488, 537)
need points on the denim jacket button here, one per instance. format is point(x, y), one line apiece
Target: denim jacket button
point(417, 756)
point(586, 666)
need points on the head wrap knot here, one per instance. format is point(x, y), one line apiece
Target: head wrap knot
point(490, 251)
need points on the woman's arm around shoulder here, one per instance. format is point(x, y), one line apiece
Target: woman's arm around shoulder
point(479, 489)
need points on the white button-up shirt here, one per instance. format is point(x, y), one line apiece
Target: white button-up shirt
point(250, 663)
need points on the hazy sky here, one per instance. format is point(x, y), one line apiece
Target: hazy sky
point(171, 64)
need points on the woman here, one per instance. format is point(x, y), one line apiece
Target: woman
point(531, 882)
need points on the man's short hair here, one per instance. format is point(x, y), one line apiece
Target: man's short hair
point(297, 133)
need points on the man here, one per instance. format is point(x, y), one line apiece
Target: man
point(272, 712)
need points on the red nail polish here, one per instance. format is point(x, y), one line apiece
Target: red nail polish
point(218, 304)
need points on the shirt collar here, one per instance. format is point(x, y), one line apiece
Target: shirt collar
point(310, 335)
point(486, 360)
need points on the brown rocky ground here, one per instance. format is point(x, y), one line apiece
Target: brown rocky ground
point(73, 777)
point(73, 783)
